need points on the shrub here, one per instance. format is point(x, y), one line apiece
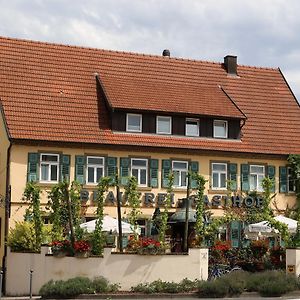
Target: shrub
point(22, 237)
point(275, 288)
point(101, 285)
point(187, 285)
point(213, 289)
point(236, 282)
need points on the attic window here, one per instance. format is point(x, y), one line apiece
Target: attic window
point(220, 129)
point(192, 127)
point(163, 125)
point(134, 123)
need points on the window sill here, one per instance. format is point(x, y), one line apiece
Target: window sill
point(145, 188)
point(211, 191)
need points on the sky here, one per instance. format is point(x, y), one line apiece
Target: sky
point(261, 33)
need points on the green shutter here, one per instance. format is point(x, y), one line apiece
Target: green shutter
point(245, 186)
point(65, 167)
point(271, 174)
point(111, 167)
point(80, 168)
point(153, 182)
point(166, 169)
point(194, 167)
point(232, 175)
point(235, 234)
point(33, 167)
point(283, 179)
point(124, 170)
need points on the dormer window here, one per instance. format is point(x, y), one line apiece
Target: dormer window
point(134, 123)
point(163, 125)
point(192, 127)
point(220, 129)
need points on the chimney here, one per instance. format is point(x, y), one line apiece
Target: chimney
point(230, 63)
point(166, 52)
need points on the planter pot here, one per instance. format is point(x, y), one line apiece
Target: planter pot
point(82, 254)
point(59, 253)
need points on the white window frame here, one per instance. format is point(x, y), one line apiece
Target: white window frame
point(139, 168)
point(219, 173)
point(191, 120)
point(289, 178)
point(56, 163)
point(180, 170)
point(141, 122)
point(225, 123)
point(166, 118)
point(258, 175)
point(95, 166)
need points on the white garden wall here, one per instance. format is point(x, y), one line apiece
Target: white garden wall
point(126, 269)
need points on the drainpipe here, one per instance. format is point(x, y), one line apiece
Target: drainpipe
point(7, 215)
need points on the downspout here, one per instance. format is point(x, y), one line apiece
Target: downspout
point(7, 215)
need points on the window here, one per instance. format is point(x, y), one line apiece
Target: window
point(134, 123)
point(95, 169)
point(49, 167)
point(220, 129)
point(163, 125)
point(180, 169)
point(291, 183)
point(139, 169)
point(257, 174)
point(219, 176)
point(192, 127)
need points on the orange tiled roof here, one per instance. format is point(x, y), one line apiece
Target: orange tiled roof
point(49, 93)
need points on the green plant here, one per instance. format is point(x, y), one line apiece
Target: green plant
point(236, 282)
point(133, 197)
point(66, 289)
point(101, 285)
point(32, 195)
point(164, 215)
point(22, 237)
point(61, 246)
point(98, 237)
point(213, 289)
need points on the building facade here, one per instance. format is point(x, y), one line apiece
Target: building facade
point(81, 113)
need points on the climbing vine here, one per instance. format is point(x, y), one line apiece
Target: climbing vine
point(133, 197)
point(294, 160)
point(32, 196)
point(164, 216)
point(199, 226)
point(98, 238)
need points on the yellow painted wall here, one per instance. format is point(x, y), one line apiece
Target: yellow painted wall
point(19, 173)
point(4, 144)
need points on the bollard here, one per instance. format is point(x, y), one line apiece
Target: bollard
point(1, 279)
point(30, 284)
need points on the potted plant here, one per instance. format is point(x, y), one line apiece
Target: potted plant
point(60, 248)
point(82, 248)
point(149, 246)
point(259, 249)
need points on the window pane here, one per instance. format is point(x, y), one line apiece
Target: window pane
point(135, 173)
point(253, 182)
point(215, 180)
point(257, 169)
point(99, 174)
point(139, 162)
point(91, 175)
point(223, 181)
point(53, 173)
point(95, 160)
point(260, 179)
point(134, 122)
point(219, 167)
point(183, 178)
point(44, 172)
point(52, 158)
point(163, 125)
point(143, 179)
point(179, 165)
point(220, 129)
point(176, 178)
point(192, 128)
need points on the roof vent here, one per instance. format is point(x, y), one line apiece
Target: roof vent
point(230, 62)
point(166, 52)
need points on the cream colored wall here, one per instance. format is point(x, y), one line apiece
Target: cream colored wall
point(125, 269)
point(19, 171)
point(4, 145)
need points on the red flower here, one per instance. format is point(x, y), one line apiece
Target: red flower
point(82, 246)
